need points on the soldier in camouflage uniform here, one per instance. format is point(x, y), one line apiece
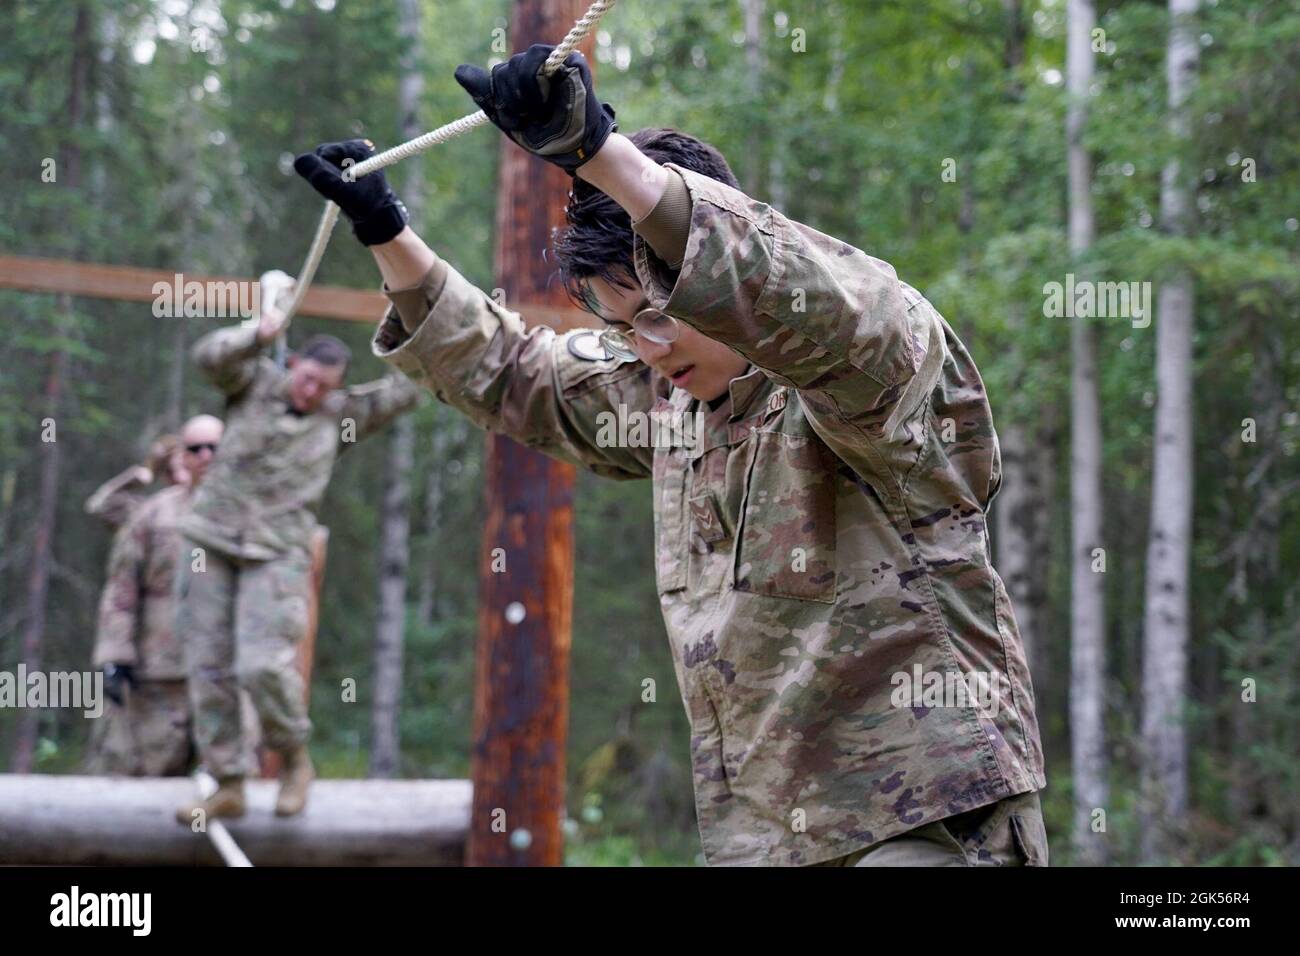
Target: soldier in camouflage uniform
point(145, 731)
point(822, 541)
point(244, 596)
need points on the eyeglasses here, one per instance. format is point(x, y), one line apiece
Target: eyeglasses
point(651, 324)
point(195, 449)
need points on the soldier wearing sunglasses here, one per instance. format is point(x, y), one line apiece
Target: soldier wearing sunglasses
point(146, 729)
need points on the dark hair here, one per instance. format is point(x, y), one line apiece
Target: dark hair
point(597, 243)
point(327, 350)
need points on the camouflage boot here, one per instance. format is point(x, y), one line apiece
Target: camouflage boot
point(226, 801)
point(296, 776)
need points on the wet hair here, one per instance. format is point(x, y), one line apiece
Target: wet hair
point(327, 350)
point(597, 243)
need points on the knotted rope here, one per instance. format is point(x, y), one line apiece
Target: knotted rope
point(418, 145)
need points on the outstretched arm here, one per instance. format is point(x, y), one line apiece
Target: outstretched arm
point(450, 338)
point(228, 357)
point(862, 351)
point(372, 406)
point(116, 499)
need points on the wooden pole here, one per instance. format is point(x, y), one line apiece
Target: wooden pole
point(521, 682)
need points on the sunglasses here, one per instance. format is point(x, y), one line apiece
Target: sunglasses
point(195, 449)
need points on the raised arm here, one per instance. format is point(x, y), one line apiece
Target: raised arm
point(115, 500)
point(452, 339)
point(862, 349)
point(228, 357)
point(812, 312)
point(370, 407)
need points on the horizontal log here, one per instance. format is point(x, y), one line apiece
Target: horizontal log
point(131, 284)
point(123, 821)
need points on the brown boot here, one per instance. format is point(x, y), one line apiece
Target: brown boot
point(226, 801)
point(296, 776)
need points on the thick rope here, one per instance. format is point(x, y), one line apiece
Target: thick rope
point(221, 839)
point(418, 145)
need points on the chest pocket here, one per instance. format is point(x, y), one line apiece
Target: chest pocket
point(786, 542)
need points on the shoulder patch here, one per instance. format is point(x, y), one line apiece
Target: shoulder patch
point(587, 346)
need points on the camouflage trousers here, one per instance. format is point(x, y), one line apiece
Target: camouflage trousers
point(148, 735)
point(1007, 833)
point(241, 624)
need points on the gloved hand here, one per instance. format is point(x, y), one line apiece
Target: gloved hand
point(117, 677)
point(377, 215)
point(555, 117)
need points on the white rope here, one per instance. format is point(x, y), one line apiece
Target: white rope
point(217, 832)
point(426, 140)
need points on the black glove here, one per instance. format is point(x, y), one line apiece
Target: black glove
point(376, 213)
point(555, 117)
point(117, 677)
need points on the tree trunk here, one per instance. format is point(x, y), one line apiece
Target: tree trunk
point(1165, 628)
point(755, 162)
point(395, 518)
point(1021, 515)
point(394, 555)
point(38, 577)
point(1014, 517)
point(38, 573)
point(1088, 613)
point(434, 493)
point(1258, 567)
point(187, 131)
point(521, 673)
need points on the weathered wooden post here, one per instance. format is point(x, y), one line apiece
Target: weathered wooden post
point(521, 683)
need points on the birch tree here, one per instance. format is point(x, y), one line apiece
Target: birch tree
point(1165, 624)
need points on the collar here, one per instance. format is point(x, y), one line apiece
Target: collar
point(742, 389)
point(745, 393)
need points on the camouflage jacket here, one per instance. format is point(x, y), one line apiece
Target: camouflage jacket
point(822, 548)
point(259, 498)
point(137, 611)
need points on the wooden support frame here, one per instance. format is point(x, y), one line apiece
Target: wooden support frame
point(132, 284)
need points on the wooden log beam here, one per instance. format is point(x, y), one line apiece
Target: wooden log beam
point(131, 284)
point(122, 821)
